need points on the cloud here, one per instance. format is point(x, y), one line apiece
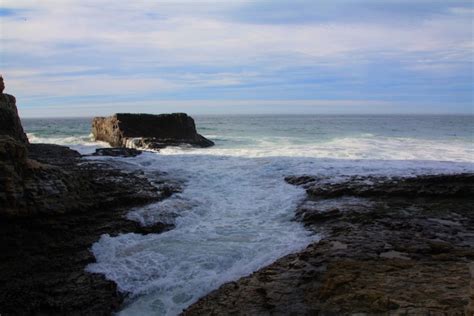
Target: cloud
point(74, 48)
point(180, 36)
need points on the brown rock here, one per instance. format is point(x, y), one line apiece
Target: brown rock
point(398, 247)
point(470, 306)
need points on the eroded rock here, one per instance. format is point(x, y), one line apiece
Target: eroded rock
point(148, 131)
point(394, 246)
point(117, 152)
point(53, 206)
point(64, 207)
point(10, 123)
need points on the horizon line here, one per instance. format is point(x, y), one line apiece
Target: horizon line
point(263, 114)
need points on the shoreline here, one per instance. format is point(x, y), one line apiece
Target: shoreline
point(44, 256)
point(44, 270)
point(401, 246)
point(381, 235)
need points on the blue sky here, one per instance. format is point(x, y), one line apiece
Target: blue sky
point(84, 58)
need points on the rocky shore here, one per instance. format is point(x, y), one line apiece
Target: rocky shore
point(44, 253)
point(388, 246)
point(54, 204)
point(402, 246)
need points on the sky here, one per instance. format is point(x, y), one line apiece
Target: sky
point(86, 58)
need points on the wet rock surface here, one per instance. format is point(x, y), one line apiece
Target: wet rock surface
point(148, 131)
point(68, 203)
point(54, 204)
point(117, 152)
point(53, 179)
point(398, 246)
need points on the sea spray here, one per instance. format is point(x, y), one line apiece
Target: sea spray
point(234, 216)
point(236, 213)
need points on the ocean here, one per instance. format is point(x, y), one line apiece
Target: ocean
point(235, 214)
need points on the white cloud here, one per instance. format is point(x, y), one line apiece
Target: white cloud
point(29, 84)
point(184, 33)
point(193, 38)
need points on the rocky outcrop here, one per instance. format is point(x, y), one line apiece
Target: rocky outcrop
point(14, 167)
point(45, 253)
point(14, 163)
point(53, 206)
point(10, 123)
point(117, 152)
point(470, 306)
point(148, 131)
point(389, 246)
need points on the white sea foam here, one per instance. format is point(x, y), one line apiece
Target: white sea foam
point(83, 144)
point(366, 146)
point(233, 217)
point(353, 148)
point(235, 213)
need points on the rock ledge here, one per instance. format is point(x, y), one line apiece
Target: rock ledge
point(388, 247)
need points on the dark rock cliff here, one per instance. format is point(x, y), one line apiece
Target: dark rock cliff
point(28, 187)
point(14, 163)
point(53, 206)
point(10, 123)
point(148, 131)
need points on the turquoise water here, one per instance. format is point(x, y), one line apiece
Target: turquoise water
point(415, 137)
point(326, 127)
point(235, 214)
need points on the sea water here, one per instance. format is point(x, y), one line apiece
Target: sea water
point(235, 213)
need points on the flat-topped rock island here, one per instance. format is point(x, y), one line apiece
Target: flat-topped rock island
point(148, 131)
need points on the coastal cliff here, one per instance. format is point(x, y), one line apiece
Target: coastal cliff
point(148, 131)
point(45, 179)
point(54, 205)
point(14, 163)
point(10, 123)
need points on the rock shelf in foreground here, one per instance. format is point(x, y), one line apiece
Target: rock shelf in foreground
point(148, 131)
point(389, 246)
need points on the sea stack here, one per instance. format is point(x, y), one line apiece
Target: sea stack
point(148, 131)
